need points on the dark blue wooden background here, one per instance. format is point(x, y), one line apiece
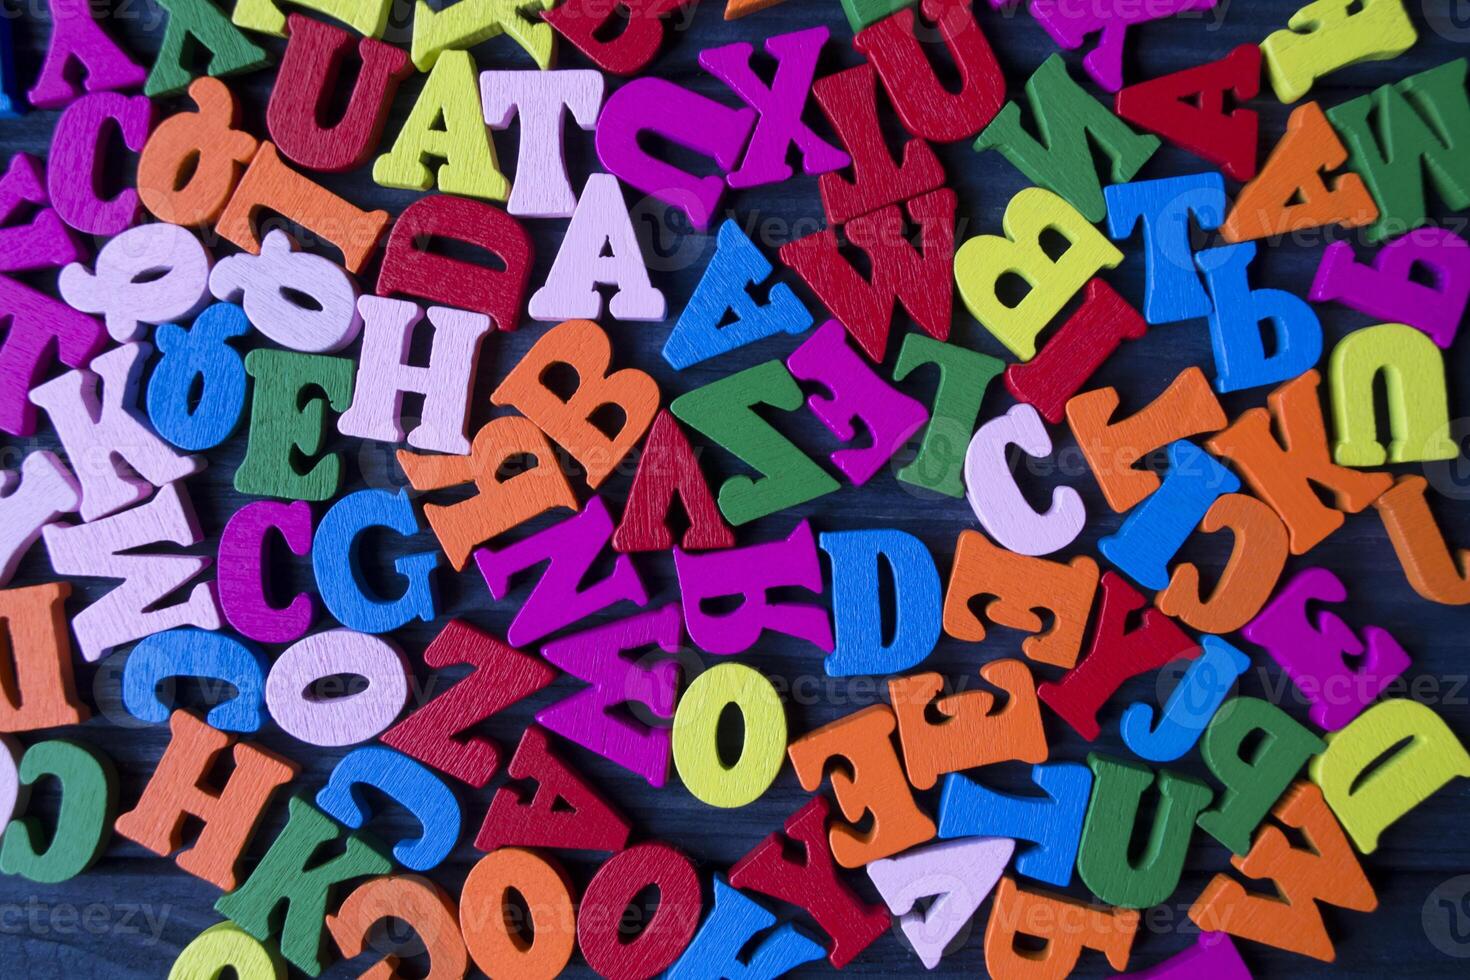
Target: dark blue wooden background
point(133, 912)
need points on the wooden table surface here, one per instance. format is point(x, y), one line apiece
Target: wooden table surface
point(132, 913)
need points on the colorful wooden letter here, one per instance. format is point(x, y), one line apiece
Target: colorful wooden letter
point(540, 101)
point(722, 315)
point(1427, 755)
point(1157, 528)
point(698, 755)
point(202, 356)
point(216, 657)
point(1187, 108)
point(1064, 927)
point(1313, 650)
point(1070, 122)
point(108, 548)
point(180, 791)
point(77, 40)
point(404, 781)
point(567, 418)
point(1172, 289)
point(857, 610)
point(982, 261)
point(956, 875)
point(779, 127)
point(499, 676)
point(600, 248)
point(305, 84)
point(1388, 290)
point(811, 882)
point(385, 375)
point(1115, 654)
point(1326, 35)
point(1291, 192)
point(872, 785)
point(1241, 360)
point(996, 498)
point(1412, 369)
point(570, 548)
point(1422, 127)
point(1282, 471)
point(658, 106)
point(336, 560)
point(290, 874)
point(724, 411)
point(1105, 862)
point(598, 718)
point(1193, 702)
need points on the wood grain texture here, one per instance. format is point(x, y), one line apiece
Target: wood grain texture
point(564, 811)
point(1164, 207)
point(1252, 786)
point(39, 687)
point(698, 754)
point(981, 263)
point(1187, 108)
point(145, 896)
point(957, 875)
point(854, 394)
point(347, 719)
point(664, 934)
point(79, 45)
point(1066, 928)
point(781, 103)
point(406, 782)
point(95, 414)
point(1121, 647)
point(1313, 646)
point(926, 106)
point(656, 107)
point(996, 497)
point(850, 100)
point(75, 179)
point(1325, 872)
point(541, 101)
point(971, 730)
point(307, 74)
point(1068, 118)
point(1157, 528)
point(545, 887)
point(1053, 820)
point(112, 548)
point(870, 788)
point(45, 241)
point(586, 349)
point(1383, 288)
point(426, 907)
point(500, 676)
point(157, 273)
point(1106, 862)
point(199, 355)
point(1292, 190)
point(230, 813)
point(298, 299)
